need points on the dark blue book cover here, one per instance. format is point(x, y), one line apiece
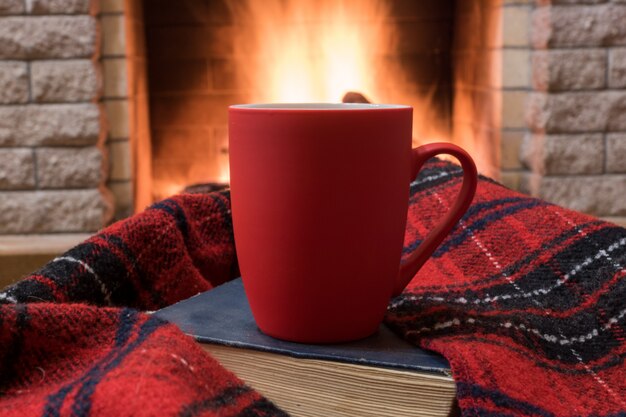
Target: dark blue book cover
point(222, 316)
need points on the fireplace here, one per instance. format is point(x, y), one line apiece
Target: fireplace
point(108, 105)
point(205, 55)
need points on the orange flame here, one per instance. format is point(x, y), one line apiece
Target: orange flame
point(312, 50)
point(317, 50)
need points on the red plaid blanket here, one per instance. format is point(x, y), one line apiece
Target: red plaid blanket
point(525, 299)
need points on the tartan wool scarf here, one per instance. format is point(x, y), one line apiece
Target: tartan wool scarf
point(526, 300)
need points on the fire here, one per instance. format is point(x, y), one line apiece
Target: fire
point(308, 51)
point(317, 50)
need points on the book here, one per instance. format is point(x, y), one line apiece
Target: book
point(381, 375)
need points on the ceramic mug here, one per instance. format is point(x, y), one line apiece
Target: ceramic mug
point(320, 197)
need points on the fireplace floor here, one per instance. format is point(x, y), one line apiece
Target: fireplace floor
point(21, 255)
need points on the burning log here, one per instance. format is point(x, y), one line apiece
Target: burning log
point(354, 97)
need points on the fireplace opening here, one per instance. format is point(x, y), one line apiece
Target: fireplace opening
point(204, 55)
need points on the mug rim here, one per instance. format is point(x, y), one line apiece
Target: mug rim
point(318, 106)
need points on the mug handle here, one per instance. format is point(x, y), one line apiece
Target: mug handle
point(470, 180)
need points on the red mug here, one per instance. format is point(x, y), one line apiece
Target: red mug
point(320, 197)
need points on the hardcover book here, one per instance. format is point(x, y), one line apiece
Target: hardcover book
point(381, 375)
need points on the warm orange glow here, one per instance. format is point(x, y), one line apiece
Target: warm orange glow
point(308, 51)
point(313, 50)
point(477, 78)
point(317, 50)
point(224, 169)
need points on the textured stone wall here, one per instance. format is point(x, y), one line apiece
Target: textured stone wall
point(492, 83)
point(52, 166)
point(576, 148)
point(115, 99)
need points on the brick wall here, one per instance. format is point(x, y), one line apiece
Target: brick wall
point(114, 63)
point(191, 84)
point(492, 82)
point(515, 76)
point(52, 165)
point(576, 114)
point(417, 69)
